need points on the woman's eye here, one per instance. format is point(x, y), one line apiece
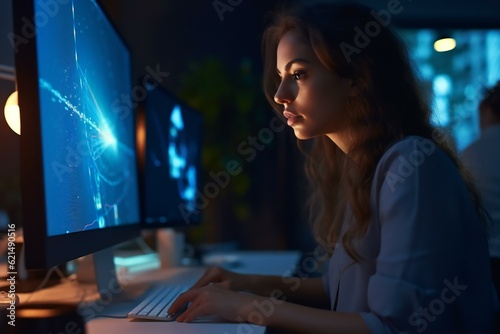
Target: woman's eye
point(298, 75)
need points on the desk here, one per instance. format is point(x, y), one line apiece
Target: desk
point(272, 263)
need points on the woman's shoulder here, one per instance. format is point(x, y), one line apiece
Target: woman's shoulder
point(413, 149)
point(416, 145)
point(411, 154)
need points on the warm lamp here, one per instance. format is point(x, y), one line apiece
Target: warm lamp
point(11, 111)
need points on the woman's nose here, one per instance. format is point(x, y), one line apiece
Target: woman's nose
point(282, 95)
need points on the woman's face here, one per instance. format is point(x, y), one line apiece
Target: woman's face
point(314, 98)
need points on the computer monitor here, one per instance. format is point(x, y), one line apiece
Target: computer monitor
point(169, 134)
point(79, 178)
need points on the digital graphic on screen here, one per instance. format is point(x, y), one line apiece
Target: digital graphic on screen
point(88, 150)
point(181, 167)
point(172, 159)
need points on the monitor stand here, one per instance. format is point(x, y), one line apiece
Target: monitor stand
point(99, 268)
point(170, 245)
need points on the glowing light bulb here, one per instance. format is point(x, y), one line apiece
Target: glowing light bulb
point(12, 113)
point(445, 44)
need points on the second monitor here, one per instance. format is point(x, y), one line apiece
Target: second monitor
point(169, 137)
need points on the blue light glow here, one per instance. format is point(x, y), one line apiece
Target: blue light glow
point(442, 85)
point(176, 119)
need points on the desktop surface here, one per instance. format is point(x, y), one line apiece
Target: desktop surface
point(106, 316)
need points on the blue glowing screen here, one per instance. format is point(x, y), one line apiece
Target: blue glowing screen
point(172, 160)
point(87, 126)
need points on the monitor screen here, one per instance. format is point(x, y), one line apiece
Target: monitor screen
point(170, 159)
point(79, 176)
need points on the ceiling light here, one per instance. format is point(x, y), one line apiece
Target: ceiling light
point(445, 44)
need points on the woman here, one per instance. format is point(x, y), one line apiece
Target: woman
point(391, 203)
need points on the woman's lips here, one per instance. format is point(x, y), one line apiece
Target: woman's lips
point(291, 118)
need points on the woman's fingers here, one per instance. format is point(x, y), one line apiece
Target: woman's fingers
point(209, 300)
point(199, 306)
point(191, 313)
point(213, 285)
point(211, 275)
point(205, 279)
point(182, 300)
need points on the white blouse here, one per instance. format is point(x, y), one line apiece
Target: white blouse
point(426, 267)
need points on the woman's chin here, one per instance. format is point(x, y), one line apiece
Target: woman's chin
point(301, 134)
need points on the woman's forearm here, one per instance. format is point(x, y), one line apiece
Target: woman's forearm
point(292, 306)
point(305, 291)
point(294, 318)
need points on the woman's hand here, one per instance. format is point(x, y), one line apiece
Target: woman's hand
point(215, 294)
point(265, 311)
point(221, 278)
point(214, 300)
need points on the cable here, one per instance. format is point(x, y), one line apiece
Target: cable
point(44, 281)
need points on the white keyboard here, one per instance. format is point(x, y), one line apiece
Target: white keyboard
point(156, 305)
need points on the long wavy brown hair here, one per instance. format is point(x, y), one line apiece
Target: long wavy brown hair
point(389, 105)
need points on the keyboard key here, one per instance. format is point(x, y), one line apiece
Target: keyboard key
point(156, 305)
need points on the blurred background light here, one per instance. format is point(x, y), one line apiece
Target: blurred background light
point(445, 44)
